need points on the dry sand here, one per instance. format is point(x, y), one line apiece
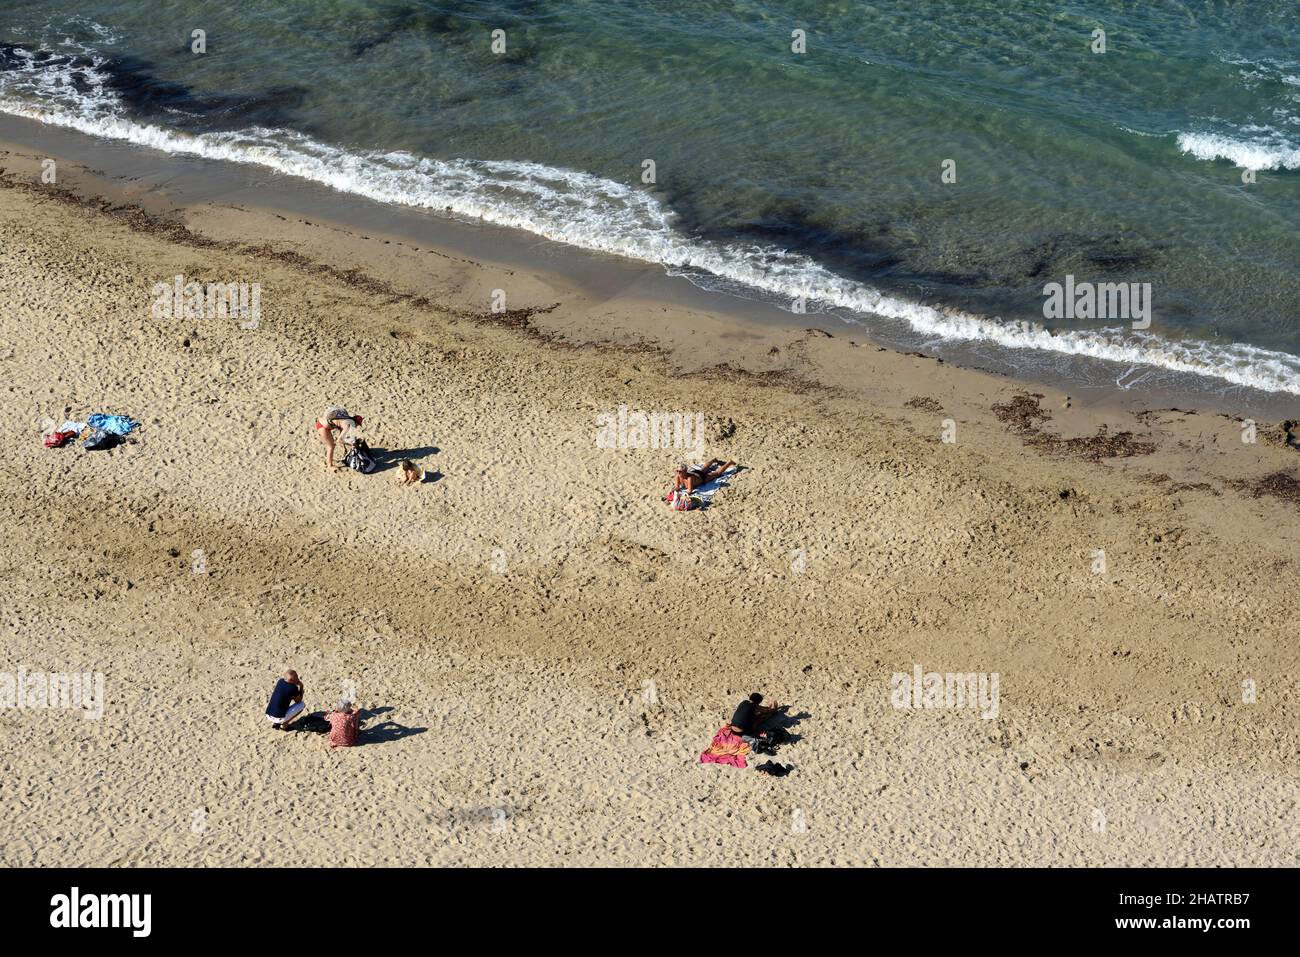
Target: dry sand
point(505, 623)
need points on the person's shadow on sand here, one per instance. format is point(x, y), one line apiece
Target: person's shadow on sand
point(313, 723)
point(384, 731)
point(783, 720)
point(371, 733)
point(386, 459)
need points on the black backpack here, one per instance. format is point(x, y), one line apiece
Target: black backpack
point(359, 458)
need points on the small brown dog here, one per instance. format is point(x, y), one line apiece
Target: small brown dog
point(410, 473)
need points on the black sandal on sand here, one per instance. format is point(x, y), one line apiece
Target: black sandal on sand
point(774, 769)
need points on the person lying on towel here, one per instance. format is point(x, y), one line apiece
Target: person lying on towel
point(691, 477)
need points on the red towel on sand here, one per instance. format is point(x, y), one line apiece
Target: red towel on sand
point(727, 748)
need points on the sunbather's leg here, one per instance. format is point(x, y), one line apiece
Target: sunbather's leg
point(327, 436)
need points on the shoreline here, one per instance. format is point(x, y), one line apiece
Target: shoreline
point(230, 202)
point(521, 688)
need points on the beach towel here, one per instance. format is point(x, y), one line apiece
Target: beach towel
point(710, 489)
point(727, 748)
point(112, 424)
point(703, 494)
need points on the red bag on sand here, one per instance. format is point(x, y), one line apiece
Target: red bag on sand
point(680, 500)
point(57, 439)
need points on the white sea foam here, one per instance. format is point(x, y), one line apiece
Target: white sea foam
point(601, 215)
point(1252, 146)
point(1267, 152)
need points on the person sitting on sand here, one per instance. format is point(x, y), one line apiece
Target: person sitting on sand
point(286, 701)
point(751, 714)
point(335, 419)
point(345, 724)
point(691, 477)
point(410, 473)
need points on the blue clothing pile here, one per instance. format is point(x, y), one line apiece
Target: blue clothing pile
point(112, 424)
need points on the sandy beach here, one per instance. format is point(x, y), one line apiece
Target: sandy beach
point(543, 648)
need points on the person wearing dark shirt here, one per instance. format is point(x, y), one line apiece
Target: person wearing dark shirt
point(286, 702)
point(749, 715)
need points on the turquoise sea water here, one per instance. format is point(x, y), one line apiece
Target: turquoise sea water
point(813, 175)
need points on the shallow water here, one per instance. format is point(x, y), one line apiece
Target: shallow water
point(809, 176)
